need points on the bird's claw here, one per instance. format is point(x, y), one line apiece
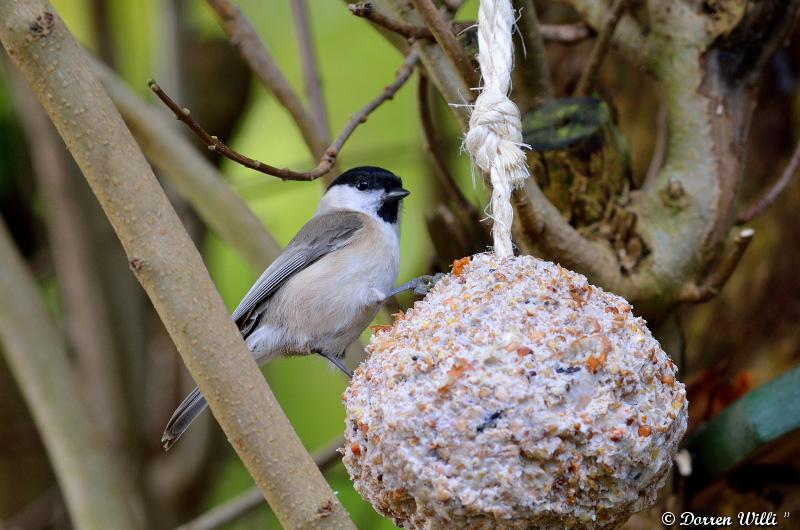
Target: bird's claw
point(424, 284)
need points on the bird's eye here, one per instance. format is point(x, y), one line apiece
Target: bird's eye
point(362, 185)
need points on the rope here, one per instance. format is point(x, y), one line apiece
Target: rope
point(494, 139)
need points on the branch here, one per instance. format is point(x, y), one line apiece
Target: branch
point(432, 145)
point(532, 85)
point(440, 69)
point(325, 163)
point(243, 35)
point(195, 177)
point(763, 202)
point(453, 5)
point(367, 10)
point(95, 487)
point(566, 33)
point(600, 48)
point(714, 282)
point(443, 33)
point(244, 503)
point(86, 315)
point(168, 266)
point(628, 37)
point(310, 67)
point(545, 230)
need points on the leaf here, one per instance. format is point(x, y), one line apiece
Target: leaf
point(761, 416)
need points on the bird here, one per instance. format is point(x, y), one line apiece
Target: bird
point(327, 285)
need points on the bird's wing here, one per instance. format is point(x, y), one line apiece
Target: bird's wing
point(321, 235)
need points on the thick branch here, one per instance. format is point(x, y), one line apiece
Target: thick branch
point(313, 81)
point(194, 176)
point(244, 36)
point(95, 488)
point(710, 100)
point(168, 266)
point(545, 230)
point(763, 202)
point(251, 499)
point(443, 33)
point(600, 48)
point(325, 163)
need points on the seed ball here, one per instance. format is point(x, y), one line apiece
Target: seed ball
point(515, 395)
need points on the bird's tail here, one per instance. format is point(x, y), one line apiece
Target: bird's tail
point(184, 415)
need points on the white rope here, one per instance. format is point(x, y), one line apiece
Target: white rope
point(495, 132)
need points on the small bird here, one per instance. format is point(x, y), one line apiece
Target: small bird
point(327, 285)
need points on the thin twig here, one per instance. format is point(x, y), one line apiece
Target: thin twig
point(600, 48)
point(367, 10)
point(251, 499)
point(443, 34)
point(566, 33)
point(432, 146)
point(328, 159)
point(310, 67)
point(763, 202)
point(629, 37)
point(195, 178)
point(717, 278)
point(244, 36)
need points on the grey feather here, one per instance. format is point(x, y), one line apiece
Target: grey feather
point(319, 236)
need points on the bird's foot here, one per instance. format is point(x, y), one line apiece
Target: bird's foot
point(421, 285)
point(338, 362)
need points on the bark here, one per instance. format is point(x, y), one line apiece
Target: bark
point(94, 486)
point(168, 266)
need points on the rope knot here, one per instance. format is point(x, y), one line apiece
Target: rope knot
point(495, 136)
point(494, 139)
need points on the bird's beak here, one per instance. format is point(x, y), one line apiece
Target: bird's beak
point(396, 195)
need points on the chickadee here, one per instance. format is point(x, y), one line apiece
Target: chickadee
point(327, 285)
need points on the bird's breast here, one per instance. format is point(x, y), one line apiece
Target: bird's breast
point(336, 297)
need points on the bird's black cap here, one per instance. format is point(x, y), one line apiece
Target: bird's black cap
point(369, 178)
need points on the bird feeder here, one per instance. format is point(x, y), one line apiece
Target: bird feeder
point(516, 394)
